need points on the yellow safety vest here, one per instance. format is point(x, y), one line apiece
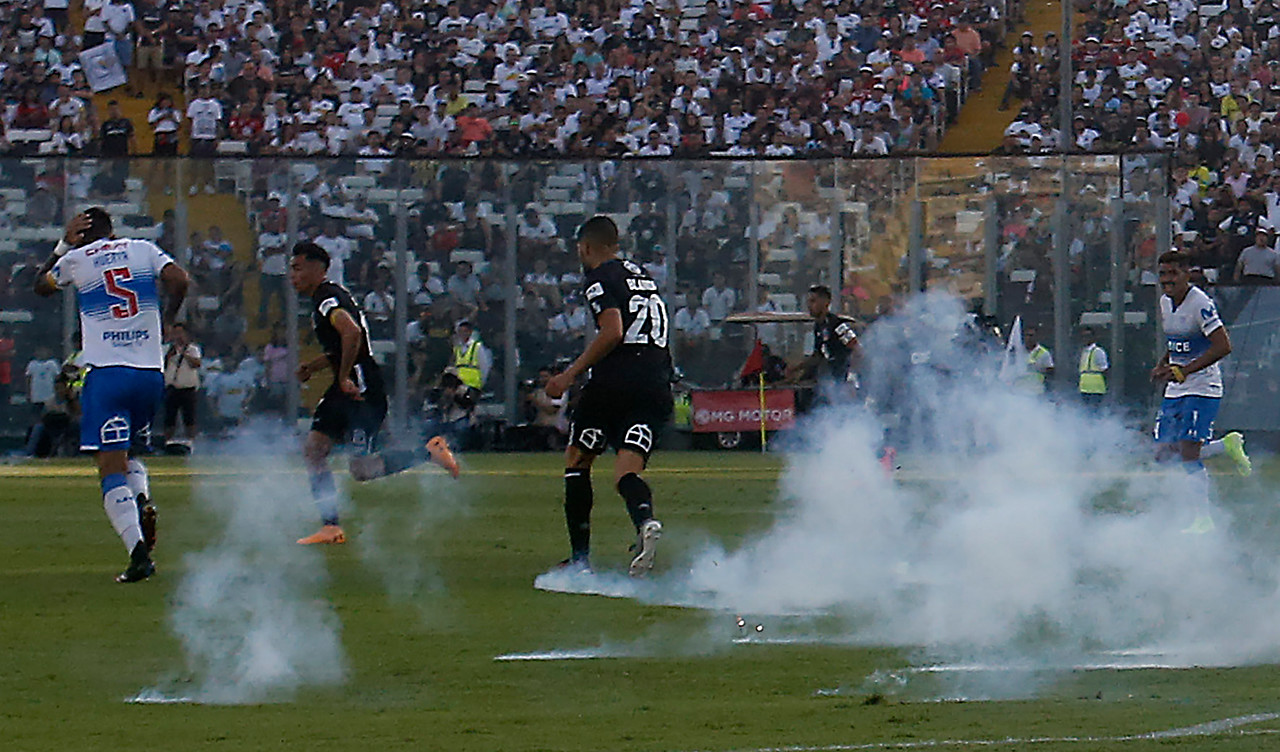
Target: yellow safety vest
point(1033, 380)
point(467, 361)
point(1091, 379)
point(78, 384)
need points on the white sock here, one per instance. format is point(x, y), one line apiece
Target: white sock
point(1198, 486)
point(138, 480)
point(122, 510)
point(1212, 448)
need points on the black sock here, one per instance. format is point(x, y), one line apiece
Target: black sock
point(577, 509)
point(638, 496)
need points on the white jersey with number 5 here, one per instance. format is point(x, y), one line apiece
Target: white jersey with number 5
point(116, 284)
point(1186, 330)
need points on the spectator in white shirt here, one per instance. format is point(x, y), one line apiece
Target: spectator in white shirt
point(719, 299)
point(464, 286)
point(692, 320)
point(537, 233)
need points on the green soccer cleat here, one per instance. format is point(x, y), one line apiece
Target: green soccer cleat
point(1233, 446)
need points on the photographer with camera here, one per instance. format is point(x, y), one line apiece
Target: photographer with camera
point(546, 422)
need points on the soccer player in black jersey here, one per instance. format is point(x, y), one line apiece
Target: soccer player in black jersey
point(354, 406)
point(626, 401)
point(835, 343)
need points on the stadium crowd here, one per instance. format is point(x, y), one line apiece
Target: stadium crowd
point(1199, 80)
point(632, 78)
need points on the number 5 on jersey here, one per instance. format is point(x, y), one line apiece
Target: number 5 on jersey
point(113, 278)
point(647, 309)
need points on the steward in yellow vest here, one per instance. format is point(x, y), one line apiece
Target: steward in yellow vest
point(469, 356)
point(1039, 362)
point(1093, 369)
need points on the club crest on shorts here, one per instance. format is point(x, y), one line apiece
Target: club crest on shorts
point(639, 436)
point(591, 439)
point(114, 430)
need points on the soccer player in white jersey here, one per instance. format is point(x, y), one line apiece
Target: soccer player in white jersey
point(117, 283)
point(1196, 340)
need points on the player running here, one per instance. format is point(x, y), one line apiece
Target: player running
point(835, 346)
point(626, 401)
point(1196, 341)
point(354, 406)
point(117, 284)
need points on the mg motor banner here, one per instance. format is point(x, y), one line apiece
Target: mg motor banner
point(739, 410)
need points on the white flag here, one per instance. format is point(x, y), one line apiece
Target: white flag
point(102, 67)
point(1015, 364)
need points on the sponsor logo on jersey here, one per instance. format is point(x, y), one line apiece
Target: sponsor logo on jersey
point(327, 305)
point(124, 339)
point(595, 291)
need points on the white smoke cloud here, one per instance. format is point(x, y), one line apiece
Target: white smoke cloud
point(251, 612)
point(1021, 530)
point(400, 540)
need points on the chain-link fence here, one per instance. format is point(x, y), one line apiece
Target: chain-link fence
point(1062, 242)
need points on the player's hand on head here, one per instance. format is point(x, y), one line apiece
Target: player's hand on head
point(76, 228)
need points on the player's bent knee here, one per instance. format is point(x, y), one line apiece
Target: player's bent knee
point(577, 459)
point(367, 468)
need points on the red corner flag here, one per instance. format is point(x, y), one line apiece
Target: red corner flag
point(755, 361)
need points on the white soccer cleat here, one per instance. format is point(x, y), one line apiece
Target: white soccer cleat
point(646, 548)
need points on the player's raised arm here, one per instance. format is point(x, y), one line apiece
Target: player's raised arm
point(351, 335)
point(45, 283)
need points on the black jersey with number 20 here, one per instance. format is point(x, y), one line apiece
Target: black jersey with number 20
point(642, 359)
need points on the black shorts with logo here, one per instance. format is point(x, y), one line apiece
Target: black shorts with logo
point(350, 421)
point(624, 418)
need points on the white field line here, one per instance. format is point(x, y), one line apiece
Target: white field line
point(1211, 728)
point(562, 655)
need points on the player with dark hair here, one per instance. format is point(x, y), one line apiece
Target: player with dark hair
point(354, 406)
point(835, 345)
point(118, 283)
point(1196, 340)
point(626, 401)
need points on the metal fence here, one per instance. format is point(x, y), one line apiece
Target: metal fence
point(1060, 241)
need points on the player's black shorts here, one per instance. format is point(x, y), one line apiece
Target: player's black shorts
point(624, 418)
point(350, 421)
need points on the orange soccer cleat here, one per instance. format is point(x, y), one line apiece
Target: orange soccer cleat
point(443, 456)
point(329, 534)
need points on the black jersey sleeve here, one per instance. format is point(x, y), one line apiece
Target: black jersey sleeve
point(844, 332)
point(600, 295)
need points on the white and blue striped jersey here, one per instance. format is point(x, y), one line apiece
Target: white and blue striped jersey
point(117, 291)
point(1186, 330)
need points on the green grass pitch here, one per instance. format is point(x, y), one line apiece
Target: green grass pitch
point(422, 675)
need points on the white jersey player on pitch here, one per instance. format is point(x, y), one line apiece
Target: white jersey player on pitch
point(117, 284)
point(1196, 340)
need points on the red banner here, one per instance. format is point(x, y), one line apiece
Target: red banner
point(739, 410)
